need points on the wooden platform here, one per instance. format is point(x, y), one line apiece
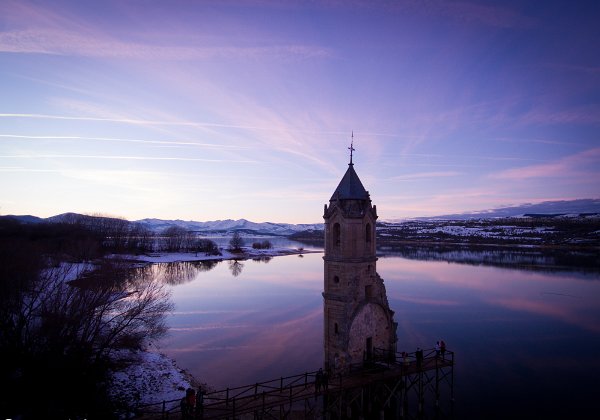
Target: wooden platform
point(278, 396)
point(286, 396)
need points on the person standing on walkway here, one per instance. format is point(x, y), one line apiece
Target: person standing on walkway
point(188, 404)
point(318, 380)
point(419, 355)
point(437, 349)
point(405, 358)
point(326, 380)
point(443, 348)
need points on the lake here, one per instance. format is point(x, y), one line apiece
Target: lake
point(527, 342)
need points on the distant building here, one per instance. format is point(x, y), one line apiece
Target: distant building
point(358, 321)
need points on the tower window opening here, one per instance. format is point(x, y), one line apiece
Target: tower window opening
point(368, 232)
point(336, 234)
point(368, 291)
point(369, 349)
point(335, 328)
point(336, 279)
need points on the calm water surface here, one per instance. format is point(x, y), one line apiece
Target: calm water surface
point(527, 343)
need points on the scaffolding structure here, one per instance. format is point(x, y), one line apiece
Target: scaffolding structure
point(399, 386)
point(409, 386)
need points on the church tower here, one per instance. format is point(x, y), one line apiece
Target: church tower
point(358, 319)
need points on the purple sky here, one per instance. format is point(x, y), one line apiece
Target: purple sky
point(210, 110)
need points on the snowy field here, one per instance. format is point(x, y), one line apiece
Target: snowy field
point(148, 378)
point(521, 231)
point(246, 253)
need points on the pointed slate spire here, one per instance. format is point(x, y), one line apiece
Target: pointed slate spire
point(350, 187)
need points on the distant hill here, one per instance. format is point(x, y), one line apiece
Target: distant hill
point(217, 227)
point(228, 226)
point(24, 218)
point(581, 207)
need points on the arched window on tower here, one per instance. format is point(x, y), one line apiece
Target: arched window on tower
point(336, 234)
point(368, 233)
point(336, 279)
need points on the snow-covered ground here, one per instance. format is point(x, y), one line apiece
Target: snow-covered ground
point(247, 253)
point(146, 377)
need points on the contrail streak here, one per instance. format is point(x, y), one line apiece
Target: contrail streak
point(193, 124)
point(174, 142)
point(121, 157)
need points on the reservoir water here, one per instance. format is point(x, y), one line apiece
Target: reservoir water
point(527, 342)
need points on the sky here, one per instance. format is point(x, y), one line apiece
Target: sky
point(210, 110)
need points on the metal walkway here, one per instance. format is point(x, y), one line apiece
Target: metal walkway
point(374, 386)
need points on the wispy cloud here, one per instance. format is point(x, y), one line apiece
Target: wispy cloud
point(39, 29)
point(566, 166)
point(115, 157)
point(63, 42)
point(469, 12)
point(535, 140)
point(489, 15)
point(449, 201)
point(132, 121)
point(577, 115)
point(422, 175)
point(111, 139)
point(152, 122)
point(21, 169)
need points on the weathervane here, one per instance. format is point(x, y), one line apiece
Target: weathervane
point(351, 148)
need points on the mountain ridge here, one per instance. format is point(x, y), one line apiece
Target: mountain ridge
point(581, 206)
point(230, 225)
point(158, 225)
point(578, 207)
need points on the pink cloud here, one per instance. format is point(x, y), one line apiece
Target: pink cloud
point(580, 115)
point(31, 28)
point(441, 174)
point(64, 42)
point(567, 166)
point(477, 13)
point(461, 11)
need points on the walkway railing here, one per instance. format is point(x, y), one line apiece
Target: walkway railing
point(231, 400)
point(284, 390)
point(257, 396)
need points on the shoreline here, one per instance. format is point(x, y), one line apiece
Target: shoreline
point(246, 254)
point(153, 377)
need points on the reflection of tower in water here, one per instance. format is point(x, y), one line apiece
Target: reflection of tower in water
point(358, 320)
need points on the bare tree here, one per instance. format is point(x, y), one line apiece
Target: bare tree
point(178, 239)
point(207, 246)
point(266, 244)
point(236, 242)
point(59, 327)
point(111, 308)
point(141, 239)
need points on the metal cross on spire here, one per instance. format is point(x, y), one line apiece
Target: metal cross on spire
point(351, 148)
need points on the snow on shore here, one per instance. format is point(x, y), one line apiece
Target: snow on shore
point(246, 253)
point(145, 377)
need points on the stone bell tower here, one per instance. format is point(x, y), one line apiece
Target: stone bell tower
point(358, 320)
